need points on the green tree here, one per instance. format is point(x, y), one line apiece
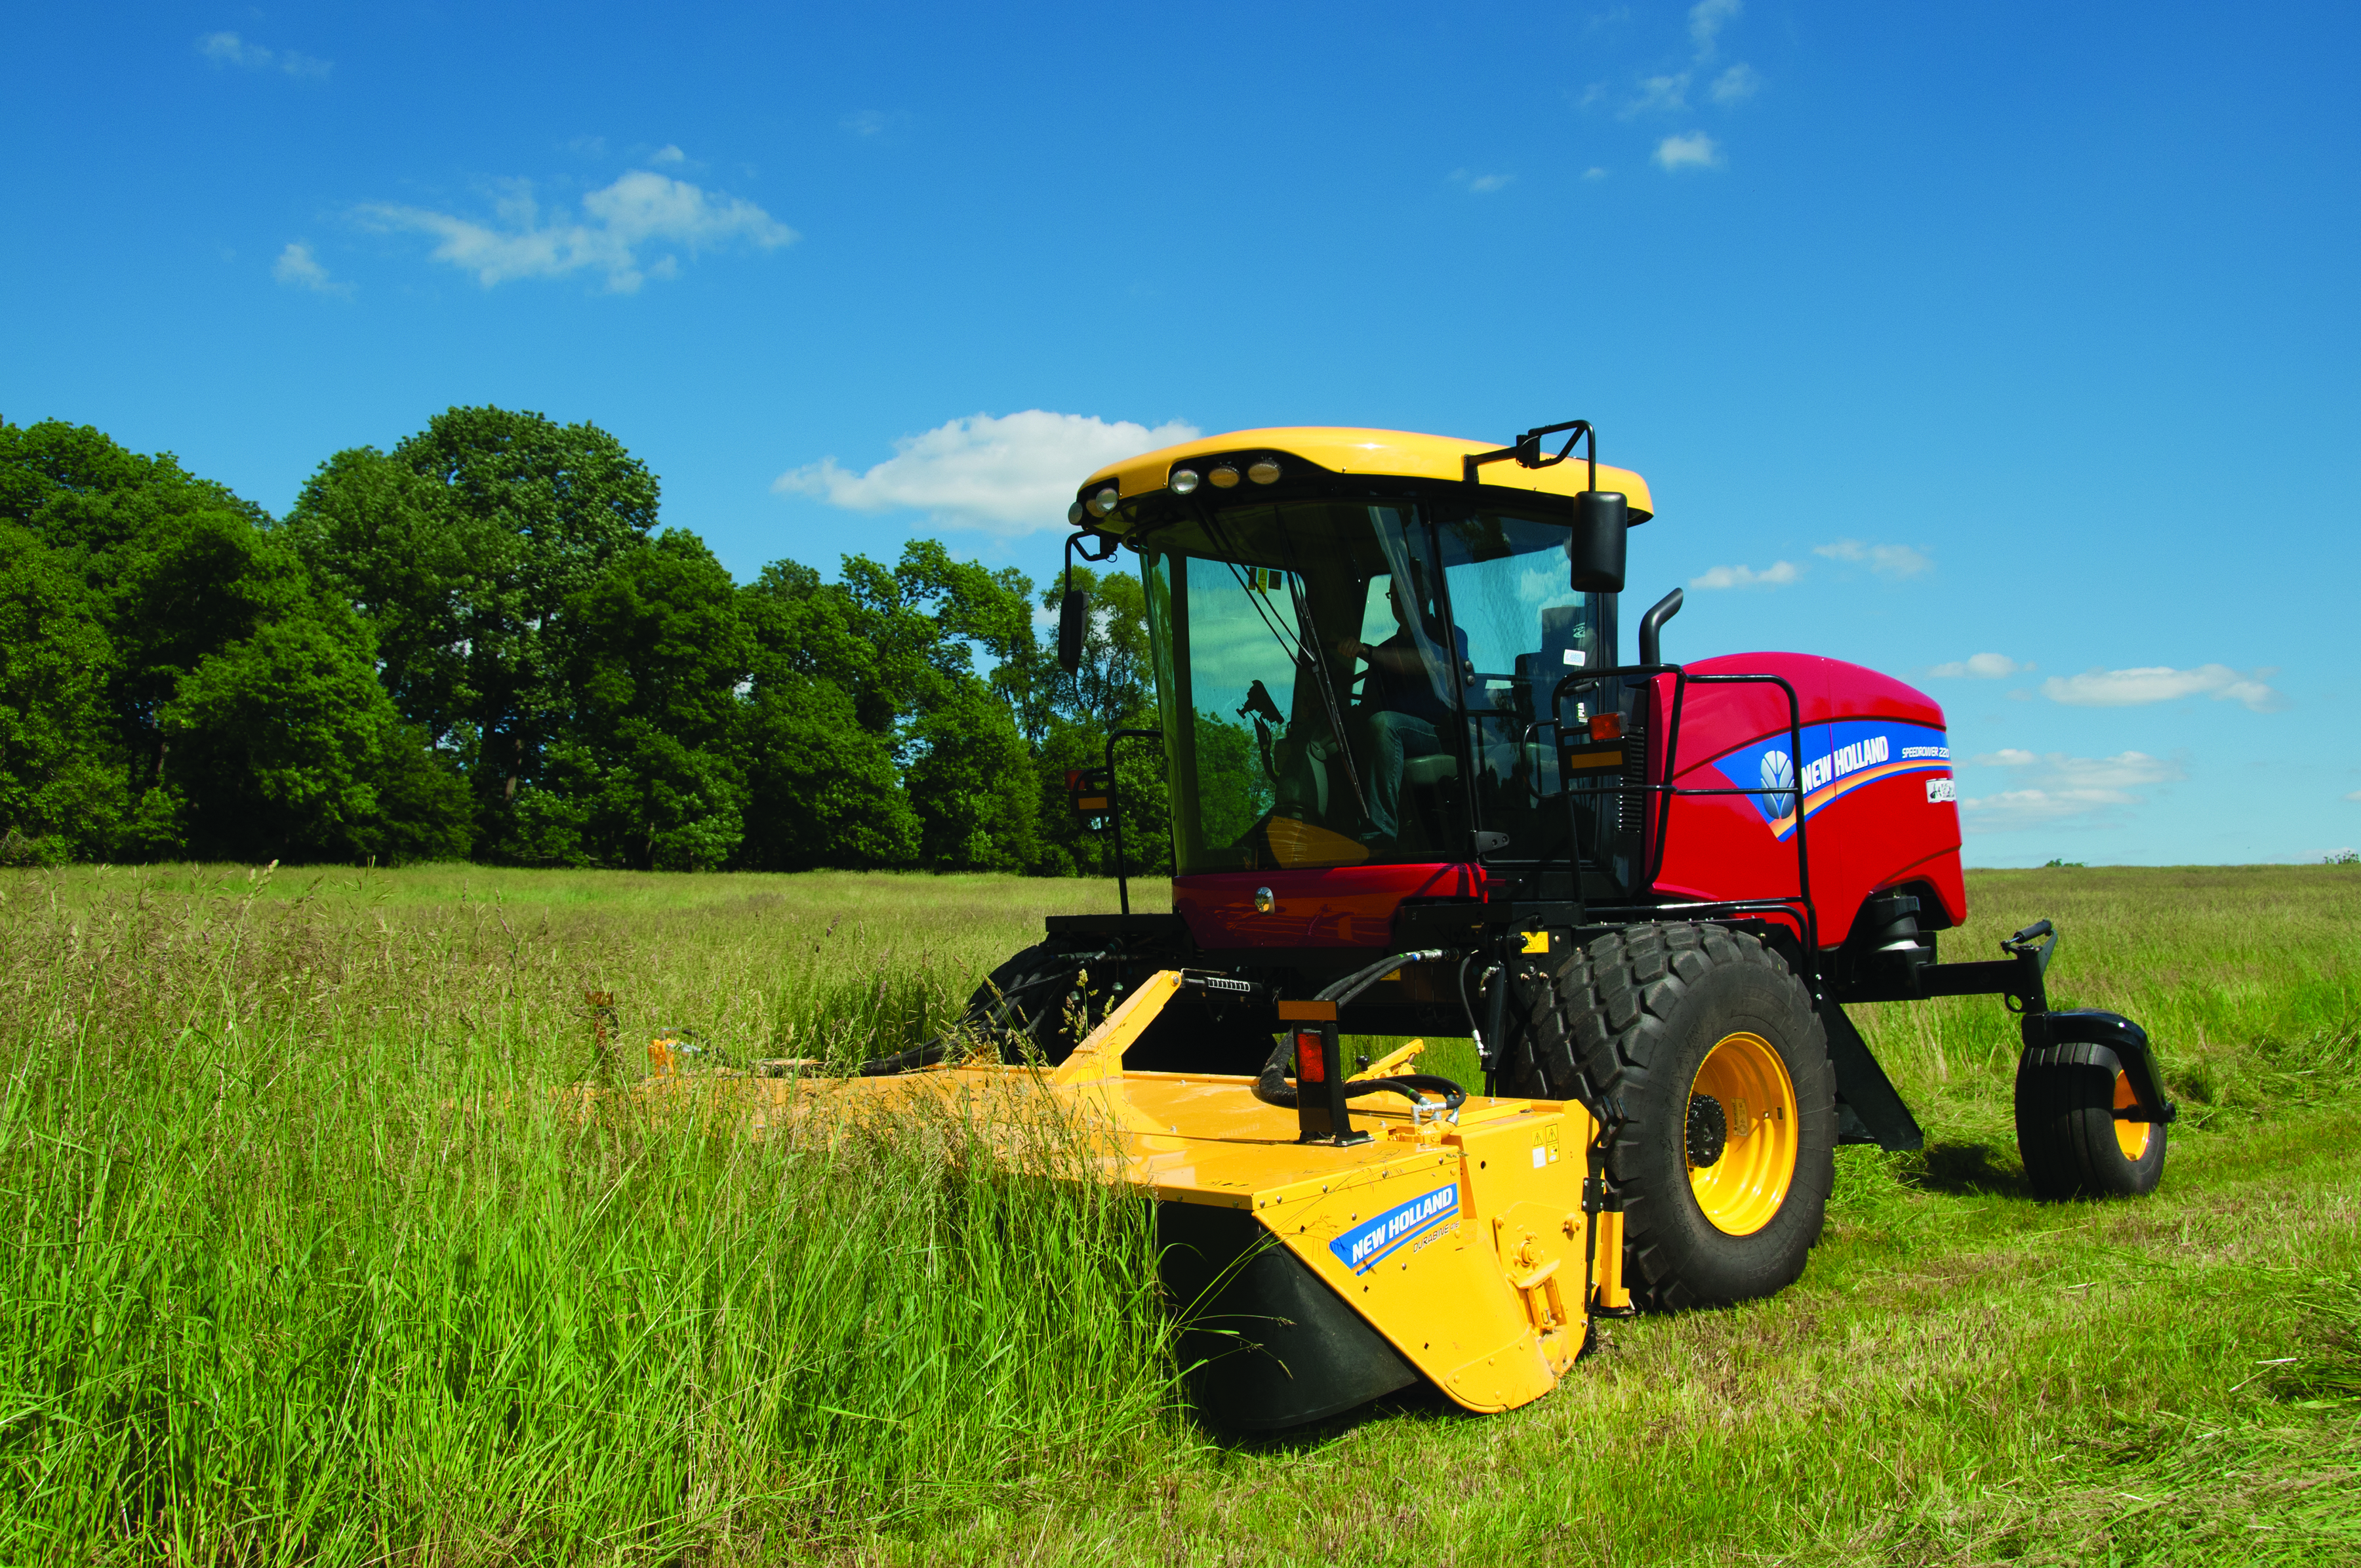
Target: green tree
point(1114, 687)
point(63, 792)
point(900, 644)
point(821, 789)
point(389, 539)
point(236, 697)
point(283, 743)
point(465, 569)
point(647, 760)
point(973, 785)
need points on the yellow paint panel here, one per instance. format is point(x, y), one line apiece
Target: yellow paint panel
point(1393, 452)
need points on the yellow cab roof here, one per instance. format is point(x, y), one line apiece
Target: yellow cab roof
point(1394, 454)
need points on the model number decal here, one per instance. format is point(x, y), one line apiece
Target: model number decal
point(1361, 1247)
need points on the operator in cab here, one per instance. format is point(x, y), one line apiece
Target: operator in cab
point(1402, 712)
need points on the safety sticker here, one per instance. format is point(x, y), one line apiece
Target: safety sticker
point(1364, 1244)
point(1941, 790)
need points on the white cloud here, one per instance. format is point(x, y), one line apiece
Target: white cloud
point(2013, 809)
point(1982, 667)
point(299, 269)
point(1707, 18)
point(228, 48)
point(2354, 795)
point(1482, 184)
point(1694, 151)
point(668, 153)
point(1661, 95)
point(2083, 791)
point(1777, 575)
point(2161, 683)
point(1594, 172)
point(637, 211)
point(1008, 475)
point(1735, 85)
point(2123, 771)
point(866, 123)
point(1885, 560)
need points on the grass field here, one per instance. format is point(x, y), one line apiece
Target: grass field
point(309, 1263)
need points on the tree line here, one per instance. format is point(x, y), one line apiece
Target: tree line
point(485, 644)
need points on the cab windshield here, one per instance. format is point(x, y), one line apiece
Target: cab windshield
point(1344, 682)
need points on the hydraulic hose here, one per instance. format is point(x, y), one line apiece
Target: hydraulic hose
point(1272, 1088)
point(1360, 980)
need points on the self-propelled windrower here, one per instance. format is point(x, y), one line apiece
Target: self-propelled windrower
point(1417, 788)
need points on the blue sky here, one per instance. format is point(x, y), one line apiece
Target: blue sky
point(2010, 349)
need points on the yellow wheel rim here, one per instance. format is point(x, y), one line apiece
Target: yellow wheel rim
point(2130, 1136)
point(1743, 1086)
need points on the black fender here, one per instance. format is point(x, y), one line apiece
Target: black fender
point(2087, 1037)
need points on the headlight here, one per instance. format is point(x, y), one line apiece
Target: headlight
point(1183, 480)
point(1074, 514)
point(1265, 471)
point(1105, 501)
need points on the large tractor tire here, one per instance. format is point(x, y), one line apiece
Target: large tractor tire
point(2072, 1144)
point(1035, 1003)
point(1713, 1049)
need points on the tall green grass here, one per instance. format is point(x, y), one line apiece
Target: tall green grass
point(313, 1258)
point(321, 1252)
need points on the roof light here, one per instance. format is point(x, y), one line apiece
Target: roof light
point(1105, 501)
point(1183, 480)
point(1074, 514)
point(1224, 477)
point(1265, 471)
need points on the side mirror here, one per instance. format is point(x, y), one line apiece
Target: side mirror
point(1073, 620)
point(1601, 517)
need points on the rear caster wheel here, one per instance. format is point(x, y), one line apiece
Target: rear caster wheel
point(2072, 1144)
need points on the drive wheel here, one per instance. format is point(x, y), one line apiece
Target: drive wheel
point(1033, 1004)
point(1719, 1058)
point(2072, 1144)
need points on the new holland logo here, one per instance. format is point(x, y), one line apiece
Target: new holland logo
point(1360, 1247)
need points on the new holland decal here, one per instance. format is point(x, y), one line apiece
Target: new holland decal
point(1360, 1247)
point(1838, 758)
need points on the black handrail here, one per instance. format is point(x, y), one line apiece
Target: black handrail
point(1800, 903)
point(1114, 808)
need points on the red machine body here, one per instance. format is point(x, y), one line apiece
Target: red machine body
point(1879, 813)
point(1874, 773)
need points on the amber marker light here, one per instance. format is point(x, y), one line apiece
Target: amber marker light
point(1183, 480)
point(1265, 471)
point(1224, 478)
